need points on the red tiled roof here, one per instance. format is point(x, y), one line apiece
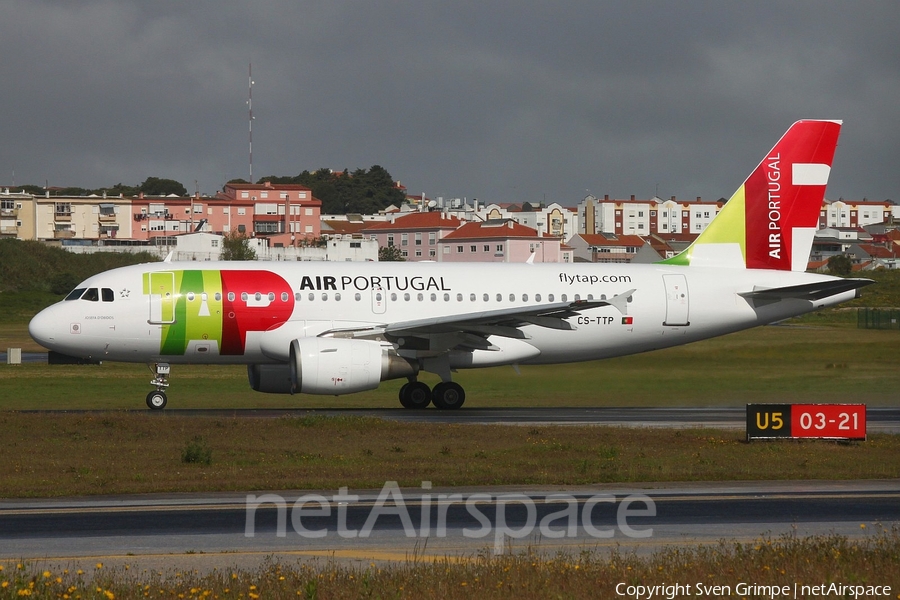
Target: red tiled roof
point(877, 251)
point(488, 229)
point(598, 239)
point(417, 220)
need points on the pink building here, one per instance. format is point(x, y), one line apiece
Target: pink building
point(500, 240)
point(416, 234)
point(286, 214)
point(156, 217)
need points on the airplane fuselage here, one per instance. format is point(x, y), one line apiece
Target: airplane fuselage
point(220, 313)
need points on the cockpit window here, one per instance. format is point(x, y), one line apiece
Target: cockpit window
point(108, 295)
point(93, 295)
point(75, 294)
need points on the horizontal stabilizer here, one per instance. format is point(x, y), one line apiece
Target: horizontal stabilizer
point(807, 291)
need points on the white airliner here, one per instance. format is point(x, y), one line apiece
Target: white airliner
point(339, 328)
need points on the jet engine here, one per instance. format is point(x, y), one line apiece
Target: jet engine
point(331, 366)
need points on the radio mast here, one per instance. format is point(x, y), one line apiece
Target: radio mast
point(250, 115)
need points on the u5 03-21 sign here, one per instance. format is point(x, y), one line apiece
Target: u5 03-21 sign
point(825, 421)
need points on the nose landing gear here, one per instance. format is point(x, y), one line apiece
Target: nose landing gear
point(157, 400)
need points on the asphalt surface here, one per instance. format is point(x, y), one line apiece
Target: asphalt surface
point(878, 420)
point(393, 524)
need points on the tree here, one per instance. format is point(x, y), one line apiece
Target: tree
point(390, 253)
point(344, 192)
point(154, 186)
point(236, 246)
point(840, 265)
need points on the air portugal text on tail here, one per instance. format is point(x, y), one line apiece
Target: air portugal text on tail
point(770, 221)
point(339, 328)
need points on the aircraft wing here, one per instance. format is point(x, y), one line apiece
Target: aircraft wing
point(470, 330)
point(807, 291)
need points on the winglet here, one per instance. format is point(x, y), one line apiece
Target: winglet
point(770, 221)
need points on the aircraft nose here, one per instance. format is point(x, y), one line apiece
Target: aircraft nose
point(43, 328)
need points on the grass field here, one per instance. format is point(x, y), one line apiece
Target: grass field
point(784, 561)
point(807, 363)
point(118, 453)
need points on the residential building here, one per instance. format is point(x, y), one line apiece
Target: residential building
point(78, 217)
point(416, 234)
point(553, 220)
point(842, 213)
point(285, 214)
point(611, 248)
point(500, 240)
point(645, 217)
point(17, 215)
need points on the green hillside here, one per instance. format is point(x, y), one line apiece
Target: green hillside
point(34, 275)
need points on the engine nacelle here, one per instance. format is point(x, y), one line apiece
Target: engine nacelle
point(336, 366)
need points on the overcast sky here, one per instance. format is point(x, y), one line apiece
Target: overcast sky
point(501, 101)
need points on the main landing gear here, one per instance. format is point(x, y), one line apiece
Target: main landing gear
point(157, 399)
point(446, 395)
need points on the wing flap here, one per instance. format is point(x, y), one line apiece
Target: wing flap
point(807, 291)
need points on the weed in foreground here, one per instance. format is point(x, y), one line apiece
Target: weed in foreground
point(197, 451)
point(785, 560)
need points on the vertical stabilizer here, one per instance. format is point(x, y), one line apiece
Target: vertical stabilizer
point(770, 221)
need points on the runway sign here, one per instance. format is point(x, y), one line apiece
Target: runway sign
point(806, 421)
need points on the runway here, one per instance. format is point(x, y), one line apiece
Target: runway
point(241, 529)
point(878, 419)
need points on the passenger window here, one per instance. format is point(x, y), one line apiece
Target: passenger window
point(218, 296)
point(75, 294)
point(499, 298)
point(577, 297)
point(512, 297)
point(524, 297)
point(271, 296)
point(108, 295)
point(244, 296)
point(550, 298)
point(486, 298)
point(459, 297)
point(337, 297)
point(284, 296)
point(297, 296)
point(563, 298)
point(92, 295)
point(190, 296)
point(446, 297)
point(357, 297)
point(471, 297)
point(324, 296)
point(433, 297)
point(393, 297)
point(312, 296)
point(537, 297)
point(231, 296)
point(406, 297)
point(590, 296)
point(419, 297)
point(257, 296)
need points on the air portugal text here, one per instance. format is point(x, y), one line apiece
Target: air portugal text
point(372, 282)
